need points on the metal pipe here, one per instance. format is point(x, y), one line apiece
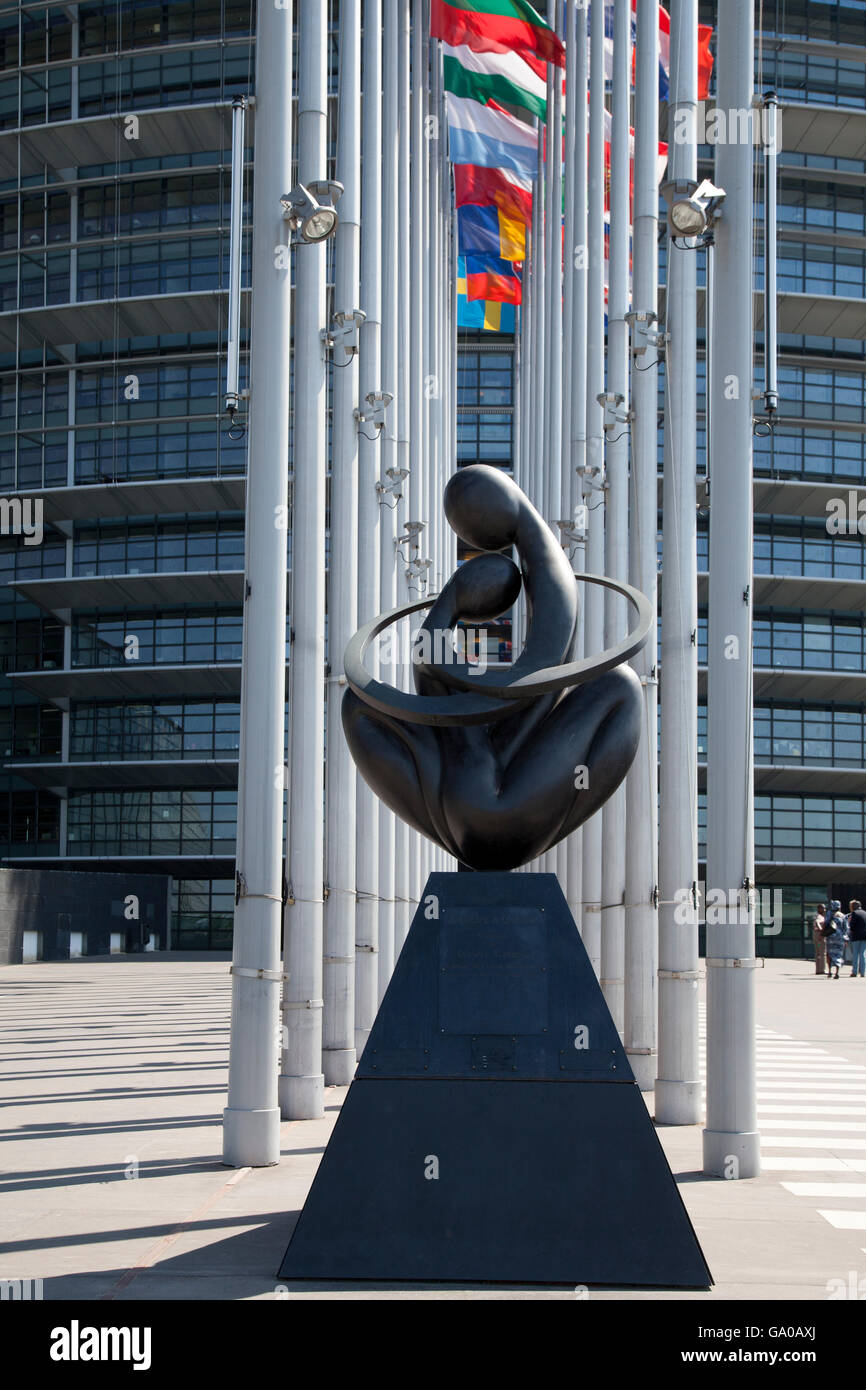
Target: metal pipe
point(369, 512)
point(593, 479)
point(236, 233)
point(417, 245)
point(771, 384)
point(338, 1018)
point(641, 893)
point(731, 1138)
point(616, 530)
point(390, 447)
point(251, 1120)
point(404, 835)
point(574, 369)
point(301, 1078)
point(677, 1088)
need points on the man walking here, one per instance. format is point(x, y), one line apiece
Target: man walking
point(857, 936)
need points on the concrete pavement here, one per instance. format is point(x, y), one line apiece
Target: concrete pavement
point(112, 1079)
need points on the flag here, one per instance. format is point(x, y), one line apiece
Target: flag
point(496, 26)
point(489, 136)
point(490, 278)
point(502, 77)
point(489, 232)
point(705, 57)
point(501, 188)
point(705, 61)
point(482, 315)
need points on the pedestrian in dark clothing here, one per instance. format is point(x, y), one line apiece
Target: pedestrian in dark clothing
point(857, 937)
point(836, 935)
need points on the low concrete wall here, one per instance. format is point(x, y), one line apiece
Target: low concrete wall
point(58, 904)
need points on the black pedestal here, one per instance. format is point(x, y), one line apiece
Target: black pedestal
point(494, 1131)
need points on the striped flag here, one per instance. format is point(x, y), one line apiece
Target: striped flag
point(500, 188)
point(496, 26)
point(489, 137)
point(488, 231)
point(482, 315)
point(490, 278)
point(500, 77)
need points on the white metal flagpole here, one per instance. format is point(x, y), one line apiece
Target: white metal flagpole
point(677, 1089)
point(731, 1138)
point(574, 393)
point(369, 512)
point(390, 451)
point(338, 1019)
point(593, 479)
point(301, 1083)
point(641, 893)
point(616, 536)
point(251, 1120)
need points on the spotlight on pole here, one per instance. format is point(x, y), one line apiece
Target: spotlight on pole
point(692, 207)
point(310, 211)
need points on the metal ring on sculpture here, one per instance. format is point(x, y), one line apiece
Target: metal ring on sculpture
point(498, 699)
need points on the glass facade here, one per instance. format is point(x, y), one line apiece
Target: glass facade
point(113, 269)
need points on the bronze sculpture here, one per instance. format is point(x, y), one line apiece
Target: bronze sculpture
point(499, 767)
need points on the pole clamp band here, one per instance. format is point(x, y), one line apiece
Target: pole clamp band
point(735, 962)
point(681, 974)
point(250, 974)
point(302, 1003)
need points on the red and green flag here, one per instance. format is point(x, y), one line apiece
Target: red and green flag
point(497, 26)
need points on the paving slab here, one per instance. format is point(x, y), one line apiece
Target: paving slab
point(112, 1082)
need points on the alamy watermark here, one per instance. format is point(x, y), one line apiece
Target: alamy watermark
point(718, 125)
point(22, 516)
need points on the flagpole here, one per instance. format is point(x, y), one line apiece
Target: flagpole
point(301, 1084)
point(251, 1119)
point(574, 393)
point(338, 1017)
point(731, 1138)
point(677, 1089)
point(594, 479)
point(552, 460)
point(616, 539)
point(390, 450)
point(404, 834)
point(418, 454)
point(367, 911)
point(641, 894)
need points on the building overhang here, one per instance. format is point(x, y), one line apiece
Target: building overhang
point(64, 146)
point(808, 683)
point(801, 779)
point(112, 591)
point(770, 871)
point(98, 320)
point(120, 775)
point(838, 131)
point(131, 682)
point(177, 865)
point(800, 591)
point(151, 497)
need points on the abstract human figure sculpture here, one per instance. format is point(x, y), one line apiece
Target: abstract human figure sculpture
point(498, 767)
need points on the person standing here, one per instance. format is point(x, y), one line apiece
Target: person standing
point(836, 935)
point(818, 939)
point(857, 937)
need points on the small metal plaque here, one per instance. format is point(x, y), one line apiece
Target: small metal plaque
point(493, 971)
